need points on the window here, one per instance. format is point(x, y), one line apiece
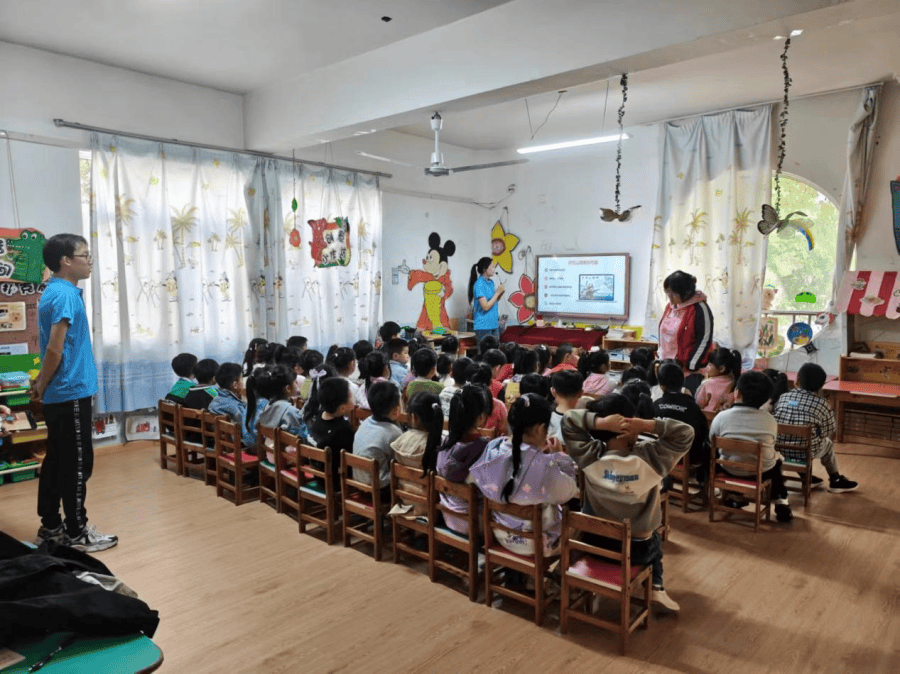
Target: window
point(802, 277)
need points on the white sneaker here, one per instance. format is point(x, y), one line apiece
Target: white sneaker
point(664, 602)
point(91, 540)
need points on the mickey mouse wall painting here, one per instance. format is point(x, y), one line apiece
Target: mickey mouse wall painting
point(438, 286)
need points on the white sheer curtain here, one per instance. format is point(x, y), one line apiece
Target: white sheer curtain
point(860, 155)
point(716, 174)
point(192, 253)
point(336, 300)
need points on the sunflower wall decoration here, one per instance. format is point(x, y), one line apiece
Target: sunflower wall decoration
point(502, 246)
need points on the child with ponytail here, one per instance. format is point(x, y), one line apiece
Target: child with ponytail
point(373, 368)
point(330, 427)
point(593, 367)
point(276, 384)
point(343, 359)
point(469, 409)
point(526, 468)
point(716, 393)
point(418, 447)
point(312, 407)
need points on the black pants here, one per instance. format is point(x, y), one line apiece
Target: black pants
point(67, 466)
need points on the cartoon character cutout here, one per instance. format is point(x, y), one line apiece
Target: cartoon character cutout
point(330, 245)
point(438, 287)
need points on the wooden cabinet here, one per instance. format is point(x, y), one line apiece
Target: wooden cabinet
point(22, 450)
point(620, 350)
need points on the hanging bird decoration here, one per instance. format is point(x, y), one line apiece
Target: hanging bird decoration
point(608, 214)
point(771, 222)
point(294, 238)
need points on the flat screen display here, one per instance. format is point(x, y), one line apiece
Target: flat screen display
point(588, 286)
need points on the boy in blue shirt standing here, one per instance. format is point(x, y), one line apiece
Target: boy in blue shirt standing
point(66, 383)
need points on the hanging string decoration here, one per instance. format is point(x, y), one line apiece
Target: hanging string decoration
point(294, 237)
point(608, 214)
point(771, 222)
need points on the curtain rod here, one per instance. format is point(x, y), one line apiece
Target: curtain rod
point(252, 153)
point(776, 100)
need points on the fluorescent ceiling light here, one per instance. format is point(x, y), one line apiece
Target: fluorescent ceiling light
point(571, 143)
point(795, 33)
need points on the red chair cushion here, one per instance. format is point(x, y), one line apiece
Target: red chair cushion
point(245, 457)
point(605, 573)
point(361, 499)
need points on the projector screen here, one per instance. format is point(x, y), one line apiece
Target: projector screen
point(588, 286)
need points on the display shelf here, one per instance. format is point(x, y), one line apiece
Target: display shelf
point(625, 346)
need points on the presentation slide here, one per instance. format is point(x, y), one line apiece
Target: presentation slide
point(594, 286)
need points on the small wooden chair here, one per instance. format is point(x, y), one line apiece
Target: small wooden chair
point(709, 415)
point(794, 441)
point(169, 435)
point(233, 465)
point(191, 440)
point(410, 487)
point(317, 497)
point(208, 429)
point(267, 442)
point(443, 536)
point(602, 572)
point(497, 557)
point(489, 433)
point(362, 500)
point(753, 487)
point(286, 478)
point(681, 488)
point(664, 526)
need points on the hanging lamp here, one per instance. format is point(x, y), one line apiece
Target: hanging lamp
point(608, 214)
point(771, 221)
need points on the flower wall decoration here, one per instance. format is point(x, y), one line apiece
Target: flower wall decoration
point(502, 246)
point(524, 299)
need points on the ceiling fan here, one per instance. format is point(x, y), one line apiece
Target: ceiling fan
point(437, 167)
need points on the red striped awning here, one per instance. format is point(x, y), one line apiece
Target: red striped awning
point(870, 293)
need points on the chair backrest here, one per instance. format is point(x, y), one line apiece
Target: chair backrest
point(306, 454)
point(403, 478)
point(208, 429)
point(461, 490)
point(793, 438)
point(403, 419)
point(266, 442)
point(284, 442)
point(575, 523)
point(710, 415)
point(746, 455)
point(168, 418)
point(489, 433)
point(298, 401)
point(190, 423)
point(228, 439)
point(358, 415)
point(530, 513)
point(364, 464)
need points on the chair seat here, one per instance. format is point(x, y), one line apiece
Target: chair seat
point(738, 482)
point(449, 533)
point(500, 551)
point(794, 465)
point(245, 457)
point(606, 574)
point(268, 465)
point(290, 473)
point(314, 487)
point(361, 499)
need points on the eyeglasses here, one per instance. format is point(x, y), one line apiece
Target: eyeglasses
point(88, 256)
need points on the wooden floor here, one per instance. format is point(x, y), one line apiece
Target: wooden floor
point(238, 589)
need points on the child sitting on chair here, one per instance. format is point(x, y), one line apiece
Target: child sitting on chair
point(330, 428)
point(803, 406)
point(230, 402)
point(676, 404)
point(622, 475)
point(201, 395)
point(277, 385)
point(746, 421)
point(183, 366)
point(716, 393)
point(418, 447)
point(593, 367)
point(566, 387)
point(376, 433)
point(469, 408)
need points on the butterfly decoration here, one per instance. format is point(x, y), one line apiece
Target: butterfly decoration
point(609, 215)
point(772, 223)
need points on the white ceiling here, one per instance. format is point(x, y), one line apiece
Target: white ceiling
point(232, 45)
point(831, 57)
point(284, 53)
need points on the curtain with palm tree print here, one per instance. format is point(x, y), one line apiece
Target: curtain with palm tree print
point(716, 174)
point(171, 238)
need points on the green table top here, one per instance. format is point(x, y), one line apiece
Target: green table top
point(89, 655)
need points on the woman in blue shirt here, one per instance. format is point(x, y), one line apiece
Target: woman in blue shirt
point(484, 298)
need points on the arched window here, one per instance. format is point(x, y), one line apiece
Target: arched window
point(802, 276)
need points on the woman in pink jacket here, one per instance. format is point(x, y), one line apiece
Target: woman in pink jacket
point(686, 328)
